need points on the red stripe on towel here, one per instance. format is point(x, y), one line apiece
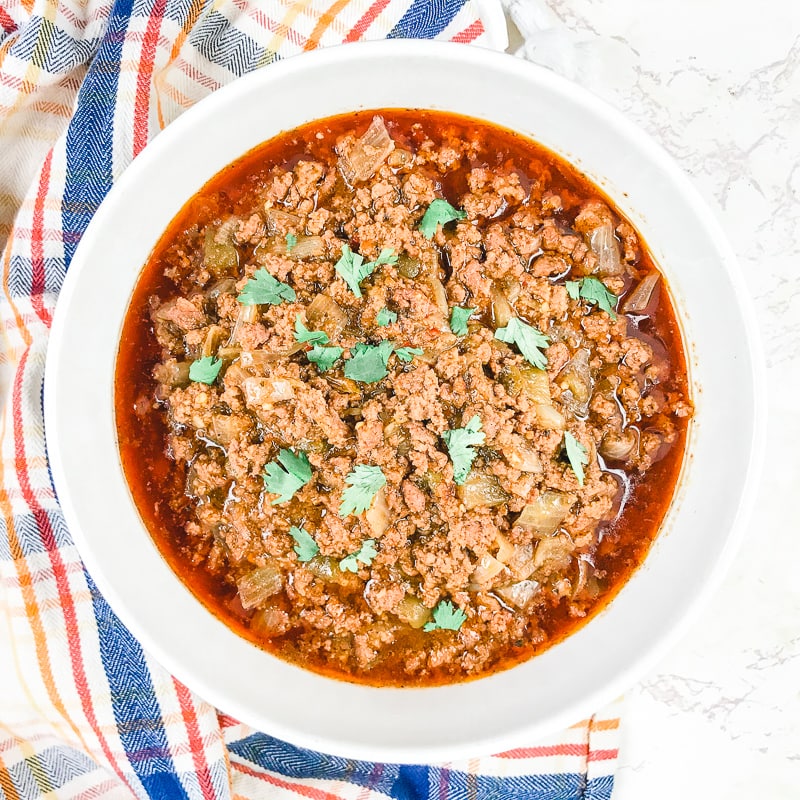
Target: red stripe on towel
point(37, 243)
point(470, 33)
point(370, 15)
point(195, 741)
point(141, 110)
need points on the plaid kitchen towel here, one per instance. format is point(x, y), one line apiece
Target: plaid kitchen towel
point(84, 712)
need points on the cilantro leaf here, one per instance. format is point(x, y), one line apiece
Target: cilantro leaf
point(387, 256)
point(385, 317)
point(353, 270)
point(264, 288)
point(205, 370)
point(439, 212)
point(577, 455)
point(364, 555)
point(458, 320)
point(365, 482)
point(303, 334)
point(446, 617)
point(594, 292)
point(306, 548)
point(407, 353)
point(573, 289)
point(288, 475)
point(528, 339)
point(367, 362)
point(460, 442)
point(291, 241)
point(349, 563)
point(324, 357)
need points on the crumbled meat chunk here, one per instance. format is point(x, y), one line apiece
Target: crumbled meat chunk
point(593, 215)
point(250, 230)
point(546, 265)
point(186, 314)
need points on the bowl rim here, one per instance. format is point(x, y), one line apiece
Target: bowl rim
point(364, 52)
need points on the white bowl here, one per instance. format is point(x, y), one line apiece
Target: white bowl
point(571, 679)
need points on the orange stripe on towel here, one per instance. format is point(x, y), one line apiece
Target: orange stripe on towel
point(604, 724)
point(323, 23)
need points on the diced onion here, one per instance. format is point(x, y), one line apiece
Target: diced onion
point(605, 246)
point(325, 314)
point(519, 594)
point(260, 359)
point(638, 300)
point(401, 158)
point(213, 340)
point(344, 385)
point(553, 554)
point(246, 316)
point(501, 309)
point(576, 378)
point(228, 353)
point(486, 570)
point(548, 418)
point(327, 569)
point(261, 391)
point(306, 247)
point(618, 446)
point(520, 565)
point(546, 513)
point(505, 550)
point(225, 428)
point(512, 289)
point(281, 389)
point(279, 221)
point(361, 160)
point(172, 373)
point(439, 295)
point(377, 515)
point(269, 622)
point(321, 567)
point(573, 337)
point(255, 587)
point(443, 343)
point(521, 455)
point(583, 569)
point(411, 611)
point(223, 286)
point(481, 490)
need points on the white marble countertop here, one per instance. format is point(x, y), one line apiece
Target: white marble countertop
point(717, 82)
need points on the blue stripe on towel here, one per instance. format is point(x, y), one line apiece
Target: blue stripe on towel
point(426, 19)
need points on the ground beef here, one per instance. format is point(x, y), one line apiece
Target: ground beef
point(539, 529)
